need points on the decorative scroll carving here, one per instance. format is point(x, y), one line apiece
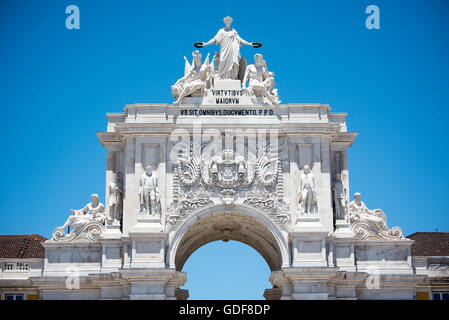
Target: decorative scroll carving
point(228, 176)
point(189, 203)
point(91, 231)
point(277, 210)
point(370, 224)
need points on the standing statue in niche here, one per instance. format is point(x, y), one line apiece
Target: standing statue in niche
point(149, 193)
point(230, 42)
point(260, 81)
point(115, 199)
point(307, 192)
point(340, 202)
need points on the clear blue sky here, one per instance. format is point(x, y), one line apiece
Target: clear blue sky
point(56, 86)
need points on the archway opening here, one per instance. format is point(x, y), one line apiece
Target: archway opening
point(226, 270)
point(246, 229)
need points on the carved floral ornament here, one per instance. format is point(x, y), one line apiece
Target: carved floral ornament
point(201, 179)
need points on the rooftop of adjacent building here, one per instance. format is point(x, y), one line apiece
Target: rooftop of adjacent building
point(29, 245)
point(430, 244)
point(22, 246)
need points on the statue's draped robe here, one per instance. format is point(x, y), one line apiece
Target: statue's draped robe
point(229, 42)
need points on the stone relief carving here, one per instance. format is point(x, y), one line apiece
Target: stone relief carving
point(197, 77)
point(438, 267)
point(370, 224)
point(150, 198)
point(260, 81)
point(340, 198)
point(438, 270)
point(87, 223)
point(228, 176)
point(307, 193)
point(115, 200)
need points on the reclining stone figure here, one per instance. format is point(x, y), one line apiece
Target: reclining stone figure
point(260, 81)
point(196, 78)
point(86, 223)
point(370, 224)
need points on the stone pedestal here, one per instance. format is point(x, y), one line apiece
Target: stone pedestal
point(343, 253)
point(303, 283)
point(81, 258)
point(343, 246)
point(308, 223)
point(112, 287)
point(224, 92)
point(155, 284)
point(308, 242)
point(384, 256)
point(111, 257)
point(227, 84)
point(147, 224)
point(112, 230)
point(343, 227)
point(309, 249)
point(148, 243)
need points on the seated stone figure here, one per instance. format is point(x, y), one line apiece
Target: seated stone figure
point(92, 213)
point(269, 86)
point(196, 78)
point(370, 224)
point(260, 81)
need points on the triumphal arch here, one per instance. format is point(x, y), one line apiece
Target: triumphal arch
point(227, 160)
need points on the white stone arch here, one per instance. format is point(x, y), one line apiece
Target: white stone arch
point(275, 238)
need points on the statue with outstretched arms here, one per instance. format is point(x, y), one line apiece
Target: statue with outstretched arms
point(230, 42)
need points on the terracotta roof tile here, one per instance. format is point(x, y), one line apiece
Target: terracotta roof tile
point(430, 243)
point(22, 246)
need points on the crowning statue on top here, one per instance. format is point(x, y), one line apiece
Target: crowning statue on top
point(227, 64)
point(230, 42)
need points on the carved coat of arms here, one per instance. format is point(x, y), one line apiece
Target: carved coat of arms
point(227, 176)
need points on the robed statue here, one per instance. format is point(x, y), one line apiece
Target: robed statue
point(229, 57)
